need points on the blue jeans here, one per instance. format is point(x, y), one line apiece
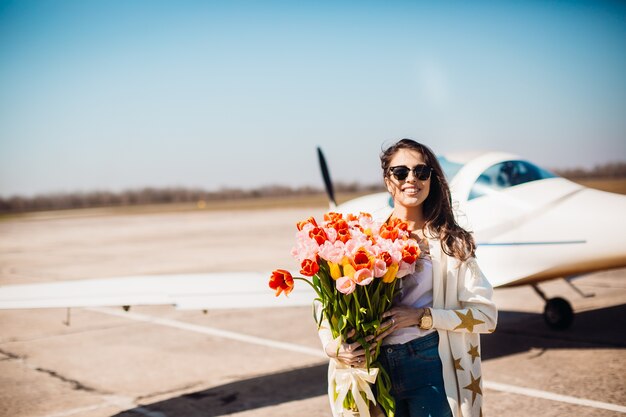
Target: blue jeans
point(416, 377)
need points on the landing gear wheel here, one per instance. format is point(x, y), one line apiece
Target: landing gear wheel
point(558, 313)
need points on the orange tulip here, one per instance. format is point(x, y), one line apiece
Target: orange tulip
point(410, 254)
point(399, 224)
point(392, 228)
point(385, 256)
point(300, 225)
point(333, 216)
point(281, 281)
point(340, 224)
point(344, 236)
point(309, 268)
point(319, 235)
point(343, 230)
point(361, 260)
point(388, 232)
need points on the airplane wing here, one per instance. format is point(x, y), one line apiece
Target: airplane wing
point(224, 290)
point(530, 226)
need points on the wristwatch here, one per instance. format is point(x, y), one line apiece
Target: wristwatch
point(426, 322)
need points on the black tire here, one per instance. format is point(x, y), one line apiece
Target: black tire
point(558, 313)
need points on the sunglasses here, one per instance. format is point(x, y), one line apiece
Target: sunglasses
point(421, 172)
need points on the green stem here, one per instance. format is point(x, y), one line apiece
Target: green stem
point(357, 313)
point(305, 280)
point(369, 303)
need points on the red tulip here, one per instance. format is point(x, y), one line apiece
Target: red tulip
point(281, 281)
point(319, 235)
point(309, 268)
point(410, 254)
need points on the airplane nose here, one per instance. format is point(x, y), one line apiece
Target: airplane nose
point(576, 233)
point(598, 216)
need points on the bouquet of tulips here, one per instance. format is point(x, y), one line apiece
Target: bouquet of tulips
point(353, 264)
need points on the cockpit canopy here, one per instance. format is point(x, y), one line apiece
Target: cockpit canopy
point(499, 176)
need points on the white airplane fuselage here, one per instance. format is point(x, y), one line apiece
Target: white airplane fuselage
point(533, 231)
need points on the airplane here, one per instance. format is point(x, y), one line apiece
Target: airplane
point(530, 226)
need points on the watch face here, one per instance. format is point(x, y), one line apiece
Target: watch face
point(426, 322)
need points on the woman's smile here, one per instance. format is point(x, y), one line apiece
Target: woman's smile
point(411, 190)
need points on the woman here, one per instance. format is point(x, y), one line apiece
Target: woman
point(431, 348)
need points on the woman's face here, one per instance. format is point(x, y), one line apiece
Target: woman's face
point(410, 192)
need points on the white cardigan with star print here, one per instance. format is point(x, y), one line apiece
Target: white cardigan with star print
point(462, 309)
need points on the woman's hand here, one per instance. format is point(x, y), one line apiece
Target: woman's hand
point(399, 317)
point(351, 354)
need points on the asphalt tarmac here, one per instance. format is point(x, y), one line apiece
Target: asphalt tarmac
point(158, 361)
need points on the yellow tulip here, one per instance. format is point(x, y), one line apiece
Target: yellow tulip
point(348, 269)
point(335, 271)
point(390, 275)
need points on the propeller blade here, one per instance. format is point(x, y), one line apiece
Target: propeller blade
point(326, 176)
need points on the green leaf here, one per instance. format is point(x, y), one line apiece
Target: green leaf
point(341, 323)
point(316, 281)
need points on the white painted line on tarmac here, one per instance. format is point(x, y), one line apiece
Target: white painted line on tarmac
point(109, 400)
point(529, 392)
point(496, 386)
point(122, 402)
point(211, 331)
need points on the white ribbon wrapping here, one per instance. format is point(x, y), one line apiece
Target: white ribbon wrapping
point(355, 380)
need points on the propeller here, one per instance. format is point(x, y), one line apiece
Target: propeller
point(326, 176)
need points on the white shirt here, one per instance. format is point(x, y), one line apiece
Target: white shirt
point(416, 290)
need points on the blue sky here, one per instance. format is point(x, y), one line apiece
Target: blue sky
point(112, 95)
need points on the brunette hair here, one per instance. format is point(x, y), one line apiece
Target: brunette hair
point(440, 221)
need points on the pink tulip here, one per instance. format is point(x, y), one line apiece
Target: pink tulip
point(380, 268)
point(331, 234)
point(333, 252)
point(363, 276)
point(345, 285)
point(405, 269)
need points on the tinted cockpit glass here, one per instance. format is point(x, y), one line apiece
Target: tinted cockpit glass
point(507, 174)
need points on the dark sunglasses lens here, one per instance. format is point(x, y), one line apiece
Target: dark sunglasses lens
point(400, 173)
point(422, 172)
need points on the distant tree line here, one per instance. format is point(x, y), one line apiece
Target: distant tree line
point(61, 201)
point(605, 171)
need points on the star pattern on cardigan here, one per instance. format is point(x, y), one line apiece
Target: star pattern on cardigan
point(457, 364)
point(467, 321)
point(474, 386)
point(473, 352)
